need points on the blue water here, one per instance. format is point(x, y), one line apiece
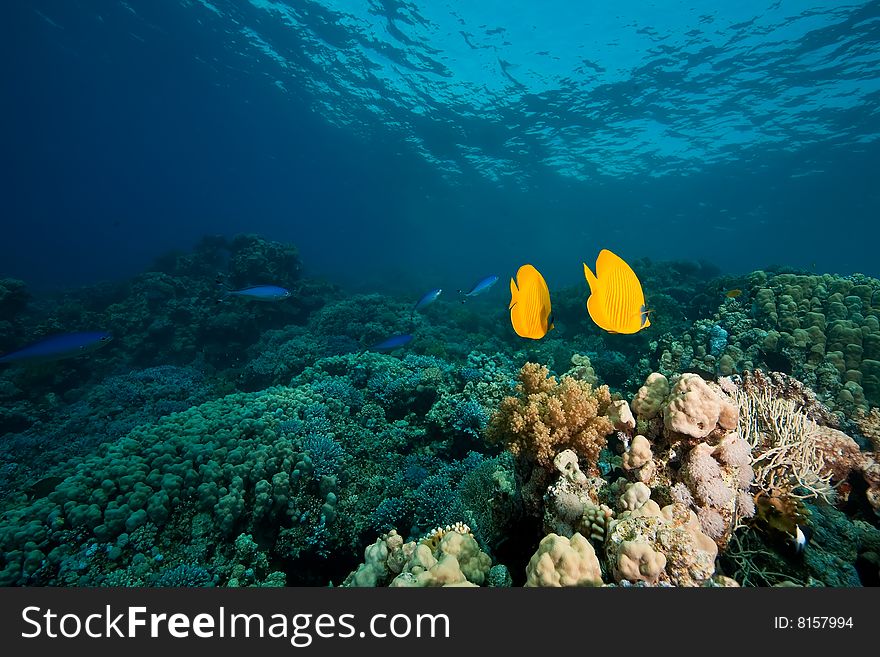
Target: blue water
point(381, 137)
point(358, 154)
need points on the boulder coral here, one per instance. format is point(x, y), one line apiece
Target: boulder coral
point(447, 557)
point(560, 561)
point(822, 329)
point(693, 410)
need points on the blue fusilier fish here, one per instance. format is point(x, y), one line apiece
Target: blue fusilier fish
point(260, 293)
point(480, 286)
point(393, 342)
point(56, 347)
point(428, 298)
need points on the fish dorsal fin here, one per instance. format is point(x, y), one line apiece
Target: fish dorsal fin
point(610, 264)
point(591, 279)
point(514, 294)
point(607, 262)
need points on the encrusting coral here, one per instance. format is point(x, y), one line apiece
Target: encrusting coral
point(653, 545)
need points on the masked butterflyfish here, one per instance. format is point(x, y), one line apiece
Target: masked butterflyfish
point(616, 303)
point(530, 304)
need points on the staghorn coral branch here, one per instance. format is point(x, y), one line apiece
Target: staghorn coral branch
point(785, 453)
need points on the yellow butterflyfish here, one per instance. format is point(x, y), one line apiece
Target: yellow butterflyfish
point(530, 304)
point(616, 303)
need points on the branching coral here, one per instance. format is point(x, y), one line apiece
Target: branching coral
point(782, 385)
point(549, 416)
point(786, 456)
point(794, 456)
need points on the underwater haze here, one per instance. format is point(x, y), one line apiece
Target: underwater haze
point(383, 136)
point(440, 293)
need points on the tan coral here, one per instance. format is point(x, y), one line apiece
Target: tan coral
point(690, 553)
point(635, 495)
point(571, 499)
point(674, 532)
point(560, 561)
point(638, 459)
point(638, 561)
point(621, 416)
point(567, 464)
point(457, 561)
point(549, 416)
point(694, 410)
point(651, 396)
point(382, 559)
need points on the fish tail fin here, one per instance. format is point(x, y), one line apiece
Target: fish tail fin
point(223, 289)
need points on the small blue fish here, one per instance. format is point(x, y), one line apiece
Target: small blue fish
point(56, 347)
point(393, 342)
point(481, 286)
point(260, 293)
point(428, 298)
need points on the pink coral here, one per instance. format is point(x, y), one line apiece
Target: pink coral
point(734, 451)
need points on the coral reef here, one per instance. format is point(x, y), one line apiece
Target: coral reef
point(448, 556)
point(219, 442)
